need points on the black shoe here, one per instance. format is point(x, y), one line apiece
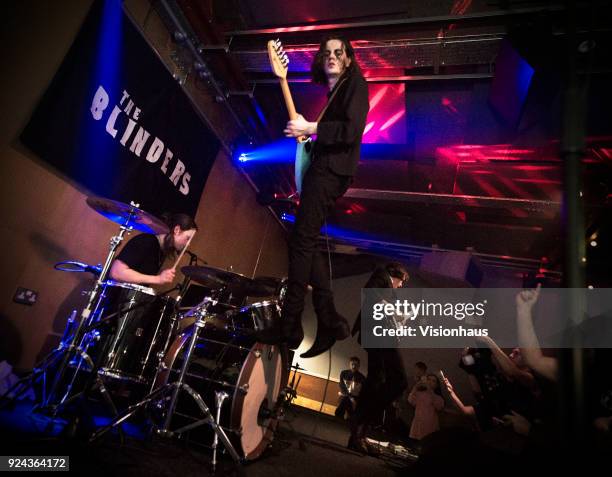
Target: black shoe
point(357, 445)
point(323, 341)
point(327, 335)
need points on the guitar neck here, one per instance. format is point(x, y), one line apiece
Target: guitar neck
point(290, 106)
point(288, 99)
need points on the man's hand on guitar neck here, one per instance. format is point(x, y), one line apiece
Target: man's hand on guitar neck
point(300, 127)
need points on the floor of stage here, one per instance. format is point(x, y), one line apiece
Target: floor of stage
point(305, 444)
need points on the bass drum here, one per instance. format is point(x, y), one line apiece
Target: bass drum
point(252, 374)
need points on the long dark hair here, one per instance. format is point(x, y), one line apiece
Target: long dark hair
point(397, 270)
point(184, 221)
point(317, 69)
point(438, 388)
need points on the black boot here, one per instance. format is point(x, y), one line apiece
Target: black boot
point(357, 441)
point(328, 332)
point(293, 334)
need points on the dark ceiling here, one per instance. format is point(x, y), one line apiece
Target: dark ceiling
point(460, 176)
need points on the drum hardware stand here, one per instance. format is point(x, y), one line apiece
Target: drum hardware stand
point(193, 260)
point(66, 351)
point(288, 394)
point(41, 369)
point(286, 397)
point(182, 289)
point(175, 388)
point(220, 397)
point(86, 314)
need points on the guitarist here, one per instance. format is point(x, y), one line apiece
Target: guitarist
point(335, 157)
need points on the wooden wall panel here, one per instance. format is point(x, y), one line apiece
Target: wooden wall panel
point(43, 215)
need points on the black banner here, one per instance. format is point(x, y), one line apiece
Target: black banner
point(115, 120)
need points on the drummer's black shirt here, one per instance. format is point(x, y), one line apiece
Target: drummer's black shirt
point(143, 254)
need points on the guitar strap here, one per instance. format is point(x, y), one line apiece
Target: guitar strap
point(331, 98)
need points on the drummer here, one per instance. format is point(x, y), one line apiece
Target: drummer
point(141, 258)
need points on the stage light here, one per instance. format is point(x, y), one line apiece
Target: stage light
point(279, 151)
point(288, 217)
point(335, 232)
point(593, 243)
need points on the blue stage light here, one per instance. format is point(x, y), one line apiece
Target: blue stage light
point(279, 151)
point(95, 149)
point(334, 231)
point(288, 217)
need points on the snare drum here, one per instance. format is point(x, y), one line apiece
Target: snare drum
point(144, 326)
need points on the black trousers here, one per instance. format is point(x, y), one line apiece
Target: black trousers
point(320, 190)
point(386, 381)
point(345, 405)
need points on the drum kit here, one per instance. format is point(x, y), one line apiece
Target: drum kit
point(182, 362)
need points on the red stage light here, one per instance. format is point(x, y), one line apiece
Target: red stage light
point(386, 119)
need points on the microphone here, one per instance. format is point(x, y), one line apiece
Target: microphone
point(195, 257)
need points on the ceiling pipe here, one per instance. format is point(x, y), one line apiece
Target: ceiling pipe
point(221, 95)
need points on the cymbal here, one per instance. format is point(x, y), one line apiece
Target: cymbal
point(212, 277)
point(238, 284)
point(119, 213)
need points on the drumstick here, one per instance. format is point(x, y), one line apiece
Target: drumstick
point(182, 253)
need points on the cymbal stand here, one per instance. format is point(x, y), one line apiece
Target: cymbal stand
point(182, 289)
point(86, 316)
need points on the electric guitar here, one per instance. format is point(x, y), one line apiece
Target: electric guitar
point(279, 62)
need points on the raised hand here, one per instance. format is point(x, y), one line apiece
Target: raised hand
point(525, 299)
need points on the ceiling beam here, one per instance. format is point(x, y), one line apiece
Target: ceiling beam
point(454, 199)
point(402, 22)
point(387, 79)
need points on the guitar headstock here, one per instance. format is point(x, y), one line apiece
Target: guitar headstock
point(278, 58)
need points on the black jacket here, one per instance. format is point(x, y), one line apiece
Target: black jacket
point(340, 129)
point(379, 279)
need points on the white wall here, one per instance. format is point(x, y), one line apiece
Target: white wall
point(347, 293)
